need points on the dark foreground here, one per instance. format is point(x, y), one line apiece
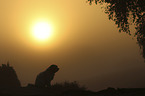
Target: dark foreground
point(26, 91)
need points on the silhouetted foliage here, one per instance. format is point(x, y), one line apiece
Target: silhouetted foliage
point(8, 77)
point(68, 86)
point(120, 11)
point(44, 78)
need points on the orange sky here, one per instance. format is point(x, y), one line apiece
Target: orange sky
point(85, 45)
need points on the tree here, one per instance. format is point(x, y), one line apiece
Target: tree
point(120, 11)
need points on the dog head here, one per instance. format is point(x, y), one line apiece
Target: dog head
point(53, 68)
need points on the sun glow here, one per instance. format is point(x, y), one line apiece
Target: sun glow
point(42, 31)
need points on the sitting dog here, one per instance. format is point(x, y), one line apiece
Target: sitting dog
point(44, 78)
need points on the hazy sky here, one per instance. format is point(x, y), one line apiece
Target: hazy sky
point(85, 45)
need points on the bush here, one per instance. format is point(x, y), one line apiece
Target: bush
point(65, 86)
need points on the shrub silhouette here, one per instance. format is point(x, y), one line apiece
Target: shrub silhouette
point(65, 86)
point(8, 77)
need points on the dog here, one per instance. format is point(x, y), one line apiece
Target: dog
point(44, 78)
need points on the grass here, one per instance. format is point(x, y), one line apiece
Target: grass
point(65, 86)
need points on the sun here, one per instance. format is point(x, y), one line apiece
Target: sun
point(42, 31)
